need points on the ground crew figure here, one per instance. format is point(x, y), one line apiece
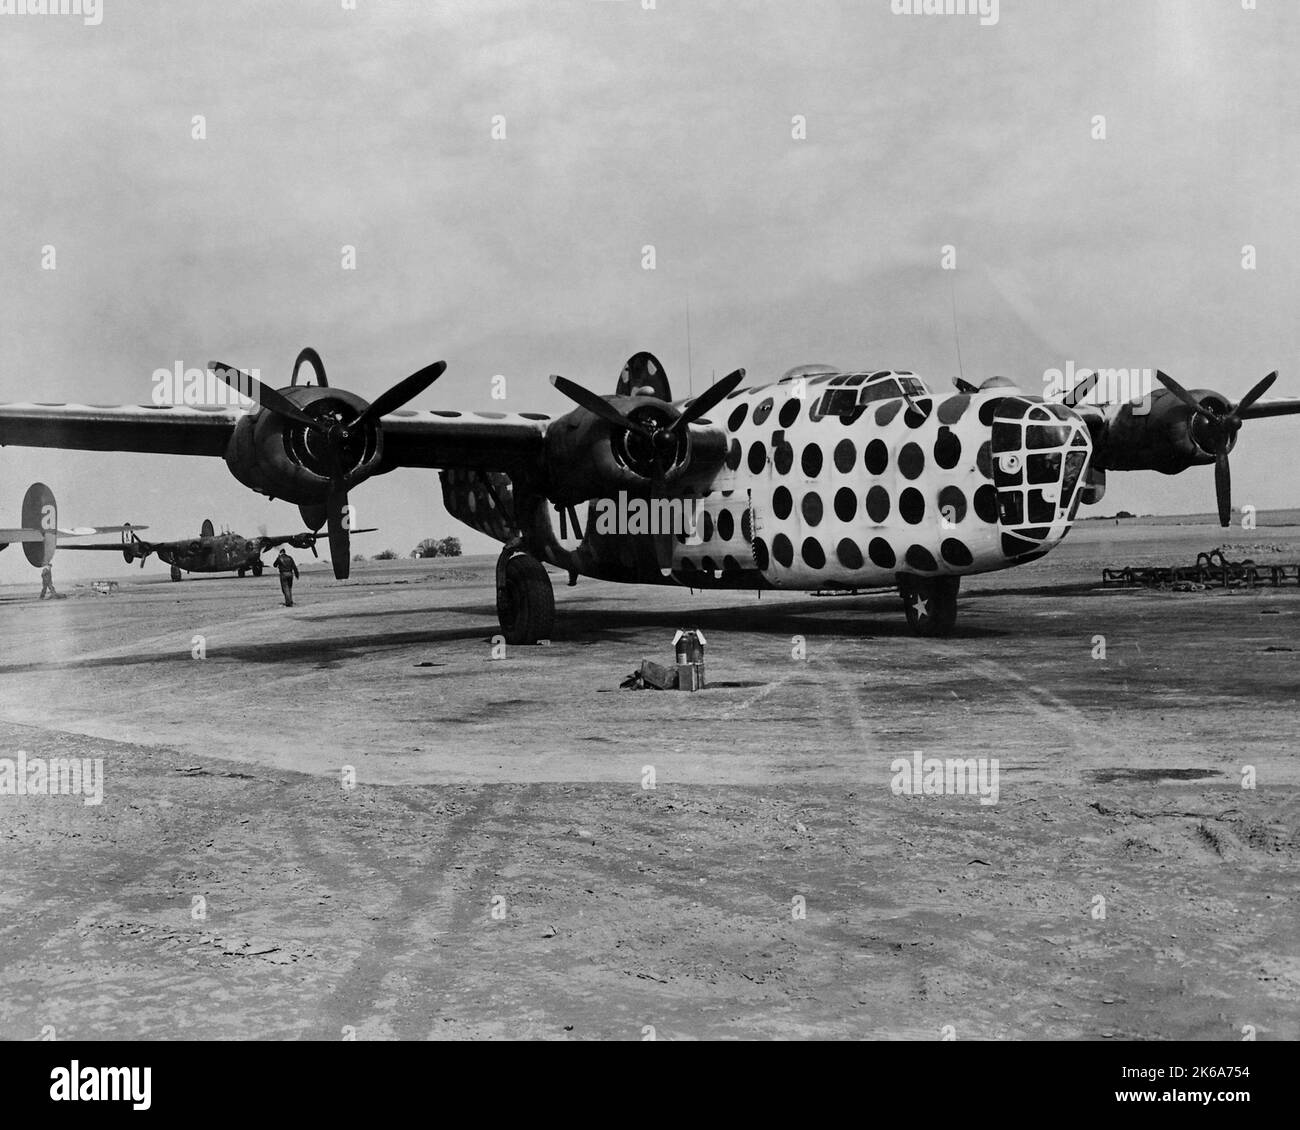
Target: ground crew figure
point(288, 570)
point(47, 581)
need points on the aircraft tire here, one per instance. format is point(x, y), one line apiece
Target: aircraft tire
point(241, 573)
point(526, 606)
point(176, 573)
point(937, 600)
point(257, 568)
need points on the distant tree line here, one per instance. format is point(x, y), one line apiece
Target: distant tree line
point(437, 547)
point(430, 547)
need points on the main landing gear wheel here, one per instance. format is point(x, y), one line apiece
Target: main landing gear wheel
point(176, 573)
point(525, 600)
point(241, 573)
point(930, 603)
point(257, 569)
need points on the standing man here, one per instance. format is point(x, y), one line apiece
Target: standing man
point(47, 581)
point(288, 570)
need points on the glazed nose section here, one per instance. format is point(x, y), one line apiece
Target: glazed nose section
point(1040, 452)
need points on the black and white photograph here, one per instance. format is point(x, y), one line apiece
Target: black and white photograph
point(647, 520)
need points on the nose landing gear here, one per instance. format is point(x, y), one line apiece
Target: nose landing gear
point(930, 603)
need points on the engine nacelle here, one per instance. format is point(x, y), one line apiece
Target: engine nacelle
point(277, 457)
point(1167, 437)
point(587, 457)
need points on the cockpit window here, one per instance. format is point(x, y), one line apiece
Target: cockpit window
point(851, 391)
point(838, 402)
point(879, 390)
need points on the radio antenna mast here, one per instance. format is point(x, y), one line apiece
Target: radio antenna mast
point(690, 370)
point(961, 372)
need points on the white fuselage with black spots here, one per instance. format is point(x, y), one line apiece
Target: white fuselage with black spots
point(842, 485)
point(846, 480)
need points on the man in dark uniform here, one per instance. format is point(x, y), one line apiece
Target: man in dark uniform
point(288, 570)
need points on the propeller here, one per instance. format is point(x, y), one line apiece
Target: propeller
point(335, 433)
point(406, 389)
point(663, 441)
point(1218, 433)
point(597, 405)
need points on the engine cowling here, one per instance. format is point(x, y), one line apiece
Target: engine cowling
point(1168, 437)
point(283, 459)
point(587, 457)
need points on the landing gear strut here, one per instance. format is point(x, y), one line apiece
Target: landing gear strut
point(930, 603)
point(525, 599)
point(176, 573)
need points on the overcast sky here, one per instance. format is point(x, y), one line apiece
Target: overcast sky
point(626, 127)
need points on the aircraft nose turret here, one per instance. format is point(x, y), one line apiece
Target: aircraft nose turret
point(1040, 452)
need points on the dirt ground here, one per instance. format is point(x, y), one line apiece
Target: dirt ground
point(500, 868)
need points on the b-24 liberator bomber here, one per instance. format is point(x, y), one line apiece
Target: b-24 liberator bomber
point(823, 479)
point(210, 552)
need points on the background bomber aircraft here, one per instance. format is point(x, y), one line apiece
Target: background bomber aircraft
point(210, 552)
point(824, 479)
point(40, 532)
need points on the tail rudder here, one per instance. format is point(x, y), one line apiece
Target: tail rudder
point(40, 514)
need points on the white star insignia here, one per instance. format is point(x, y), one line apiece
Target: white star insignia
point(919, 605)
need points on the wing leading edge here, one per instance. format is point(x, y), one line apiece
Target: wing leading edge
point(412, 438)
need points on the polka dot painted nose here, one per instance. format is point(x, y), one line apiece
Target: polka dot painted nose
point(1040, 451)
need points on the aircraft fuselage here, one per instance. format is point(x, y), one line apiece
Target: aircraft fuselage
point(846, 481)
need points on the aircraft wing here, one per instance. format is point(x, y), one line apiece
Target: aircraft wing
point(412, 438)
point(22, 534)
point(490, 441)
point(162, 430)
point(305, 540)
point(142, 548)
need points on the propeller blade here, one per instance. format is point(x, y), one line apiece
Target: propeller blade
point(264, 394)
point(340, 540)
point(701, 405)
point(597, 405)
point(1185, 396)
point(1255, 393)
point(1223, 488)
point(404, 390)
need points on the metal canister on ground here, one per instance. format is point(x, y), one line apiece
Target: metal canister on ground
point(690, 676)
point(688, 646)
